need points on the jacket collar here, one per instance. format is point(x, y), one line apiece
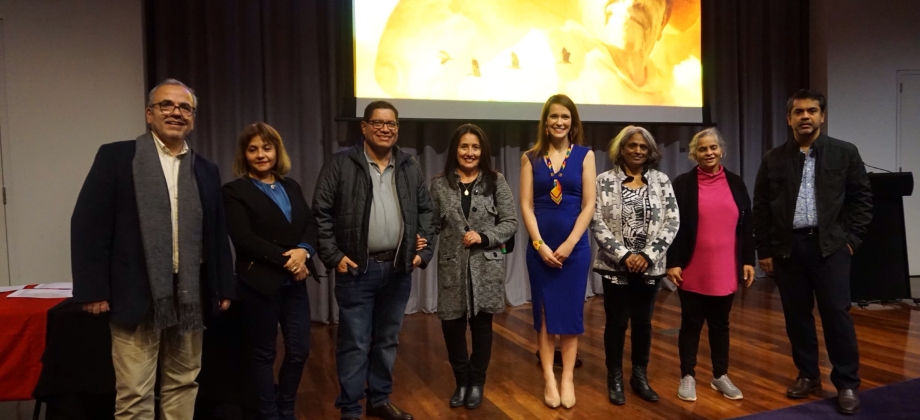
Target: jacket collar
point(356, 153)
point(620, 174)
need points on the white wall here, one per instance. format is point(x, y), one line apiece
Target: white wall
point(857, 49)
point(74, 80)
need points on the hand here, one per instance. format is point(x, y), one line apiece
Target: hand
point(224, 304)
point(96, 308)
point(766, 265)
point(674, 274)
point(562, 253)
point(549, 257)
point(343, 265)
point(417, 261)
point(420, 242)
point(471, 238)
point(297, 260)
point(850, 248)
point(748, 275)
point(302, 274)
point(636, 263)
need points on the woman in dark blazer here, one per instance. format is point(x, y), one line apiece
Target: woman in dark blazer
point(713, 251)
point(274, 233)
point(476, 217)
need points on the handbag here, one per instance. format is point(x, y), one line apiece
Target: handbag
point(508, 246)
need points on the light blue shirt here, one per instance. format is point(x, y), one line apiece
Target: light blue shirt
point(806, 211)
point(276, 192)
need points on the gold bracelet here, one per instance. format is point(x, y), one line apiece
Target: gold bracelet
point(536, 245)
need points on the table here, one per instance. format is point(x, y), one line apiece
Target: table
point(22, 342)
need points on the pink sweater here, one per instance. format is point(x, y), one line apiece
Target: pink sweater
point(713, 268)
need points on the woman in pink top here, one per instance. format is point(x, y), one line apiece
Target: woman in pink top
point(713, 250)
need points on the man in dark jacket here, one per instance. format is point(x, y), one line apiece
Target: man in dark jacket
point(371, 204)
point(812, 204)
point(149, 242)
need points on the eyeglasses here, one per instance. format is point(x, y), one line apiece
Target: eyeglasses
point(167, 107)
point(378, 124)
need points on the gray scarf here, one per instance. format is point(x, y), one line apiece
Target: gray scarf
point(170, 293)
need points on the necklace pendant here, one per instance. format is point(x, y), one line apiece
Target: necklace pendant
point(273, 186)
point(466, 192)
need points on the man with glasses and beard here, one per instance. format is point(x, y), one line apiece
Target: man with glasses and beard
point(149, 243)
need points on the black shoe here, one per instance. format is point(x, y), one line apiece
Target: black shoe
point(388, 411)
point(639, 383)
point(847, 401)
point(459, 397)
point(474, 400)
point(615, 387)
point(803, 387)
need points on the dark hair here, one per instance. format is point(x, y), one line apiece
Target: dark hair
point(576, 132)
point(268, 135)
point(371, 107)
point(807, 94)
point(489, 176)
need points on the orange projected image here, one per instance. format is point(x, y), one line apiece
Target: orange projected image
point(607, 52)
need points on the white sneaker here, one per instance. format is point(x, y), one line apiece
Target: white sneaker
point(687, 390)
point(727, 388)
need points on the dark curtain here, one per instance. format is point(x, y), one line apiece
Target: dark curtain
point(289, 63)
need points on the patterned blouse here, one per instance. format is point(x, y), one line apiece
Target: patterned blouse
point(635, 217)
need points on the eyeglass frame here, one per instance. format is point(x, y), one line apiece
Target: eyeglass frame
point(159, 105)
point(392, 125)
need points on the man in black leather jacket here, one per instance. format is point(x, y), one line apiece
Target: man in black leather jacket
point(812, 204)
point(372, 206)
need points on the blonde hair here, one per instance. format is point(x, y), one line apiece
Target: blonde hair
point(695, 142)
point(576, 132)
point(268, 135)
point(615, 150)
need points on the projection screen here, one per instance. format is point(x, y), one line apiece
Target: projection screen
point(619, 60)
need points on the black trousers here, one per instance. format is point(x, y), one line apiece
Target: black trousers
point(803, 278)
point(623, 303)
point(695, 309)
point(469, 369)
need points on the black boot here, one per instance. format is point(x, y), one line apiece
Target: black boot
point(615, 387)
point(639, 383)
point(459, 397)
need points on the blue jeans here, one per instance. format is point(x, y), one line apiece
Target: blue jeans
point(371, 309)
point(289, 306)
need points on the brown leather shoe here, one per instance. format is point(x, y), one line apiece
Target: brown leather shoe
point(803, 387)
point(388, 411)
point(847, 401)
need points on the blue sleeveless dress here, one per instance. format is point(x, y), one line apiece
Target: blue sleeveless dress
point(560, 293)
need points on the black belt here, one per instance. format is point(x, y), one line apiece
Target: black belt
point(383, 256)
point(806, 231)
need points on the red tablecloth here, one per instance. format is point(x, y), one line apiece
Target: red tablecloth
point(22, 342)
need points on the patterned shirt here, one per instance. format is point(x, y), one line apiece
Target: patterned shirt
point(635, 216)
point(806, 212)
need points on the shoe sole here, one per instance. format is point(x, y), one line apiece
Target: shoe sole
point(803, 396)
point(740, 397)
point(686, 399)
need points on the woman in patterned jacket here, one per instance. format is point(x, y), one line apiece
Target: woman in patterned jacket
point(635, 220)
point(476, 216)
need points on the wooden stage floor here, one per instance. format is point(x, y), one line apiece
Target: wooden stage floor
point(761, 364)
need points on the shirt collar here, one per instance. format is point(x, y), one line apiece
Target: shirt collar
point(371, 160)
point(161, 147)
point(719, 172)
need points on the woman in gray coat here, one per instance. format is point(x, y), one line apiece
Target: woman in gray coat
point(476, 217)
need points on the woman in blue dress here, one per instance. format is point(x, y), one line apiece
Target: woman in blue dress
point(557, 204)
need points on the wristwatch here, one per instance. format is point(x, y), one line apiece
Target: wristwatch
point(536, 245)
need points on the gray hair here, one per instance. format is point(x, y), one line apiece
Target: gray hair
point(695, 142)
point(615, 151)
point(172, 82)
